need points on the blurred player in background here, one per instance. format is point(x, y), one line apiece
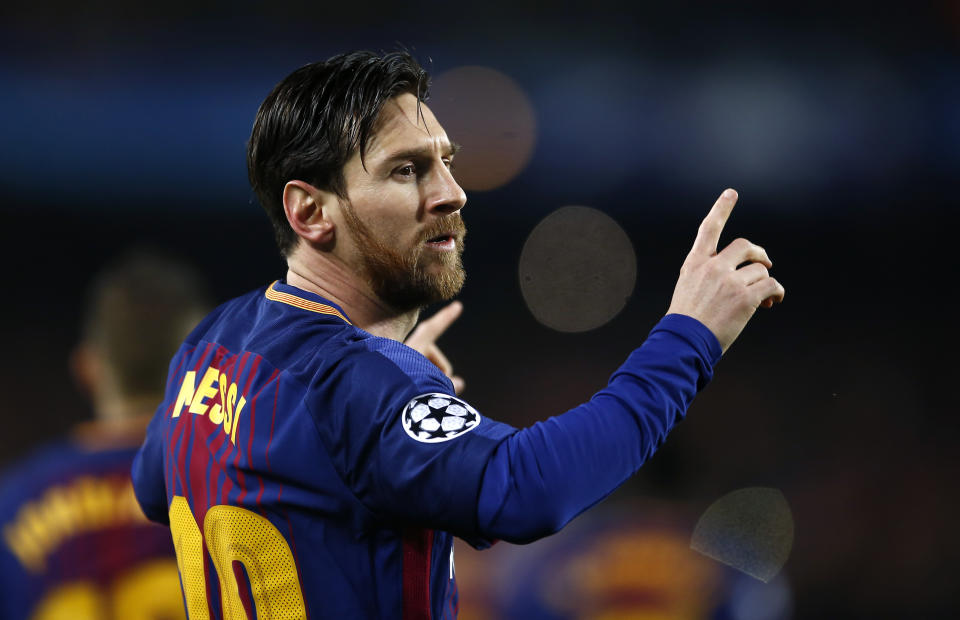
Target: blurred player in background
point(312, 465)
point(75, 543)
point(625, 560)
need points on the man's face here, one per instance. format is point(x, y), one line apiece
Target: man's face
point(403, 209)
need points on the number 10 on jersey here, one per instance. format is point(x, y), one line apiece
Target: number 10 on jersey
point(234, 534)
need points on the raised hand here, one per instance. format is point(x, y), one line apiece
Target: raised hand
point(712, 289)
point(424, 339)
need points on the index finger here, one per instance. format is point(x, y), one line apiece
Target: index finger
point(427, 332)
point(708, 236)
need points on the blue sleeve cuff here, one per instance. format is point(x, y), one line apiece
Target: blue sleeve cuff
point(695, 333)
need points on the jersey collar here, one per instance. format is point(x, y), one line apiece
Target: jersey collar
point(284, 293)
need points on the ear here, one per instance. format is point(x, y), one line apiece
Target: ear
point(86, 369)
point(308, 211)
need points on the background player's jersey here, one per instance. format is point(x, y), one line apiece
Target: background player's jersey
point(619, 565)
point(308, 468)
point(75, 543)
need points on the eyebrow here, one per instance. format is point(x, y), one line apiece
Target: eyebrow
point(420, 152)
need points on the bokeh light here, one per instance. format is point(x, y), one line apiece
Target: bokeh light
point(749, 529)
point(577, 269)
point(490, 116)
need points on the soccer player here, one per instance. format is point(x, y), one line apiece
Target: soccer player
point(75, 543)
point(312, 465)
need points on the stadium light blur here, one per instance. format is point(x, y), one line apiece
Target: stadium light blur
point(577, 269)
point(749, 529)
point(491, 117)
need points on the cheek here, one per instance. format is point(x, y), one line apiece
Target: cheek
point(394, 219)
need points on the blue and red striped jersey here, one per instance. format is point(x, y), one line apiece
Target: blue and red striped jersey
point(310, 468)
point(75, 543)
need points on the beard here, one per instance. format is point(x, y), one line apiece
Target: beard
point(416, 277)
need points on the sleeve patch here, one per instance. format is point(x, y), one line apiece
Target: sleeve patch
point(434, 417)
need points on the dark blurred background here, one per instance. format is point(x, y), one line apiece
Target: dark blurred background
point(839, 124)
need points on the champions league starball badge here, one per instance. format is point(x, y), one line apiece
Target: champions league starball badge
point(432, 418)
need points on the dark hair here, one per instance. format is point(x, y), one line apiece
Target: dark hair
point(138, 311)
point(313, 121)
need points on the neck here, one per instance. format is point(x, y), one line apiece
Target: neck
point(112, 409)
point(116, 428)
point(332, 279)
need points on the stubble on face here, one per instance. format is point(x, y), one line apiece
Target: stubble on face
point(410, 278)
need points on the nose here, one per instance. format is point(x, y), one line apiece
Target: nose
point(445, 196)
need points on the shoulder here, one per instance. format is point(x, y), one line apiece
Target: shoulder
point(287, 330)
point(368, 381)
point(374, 368)
point(393, 356)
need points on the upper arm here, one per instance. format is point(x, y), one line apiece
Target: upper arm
point(147, 474)
point(406, 446)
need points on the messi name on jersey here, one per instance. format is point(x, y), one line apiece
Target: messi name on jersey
point(225, 413)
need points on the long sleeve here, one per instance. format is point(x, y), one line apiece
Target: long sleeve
point(543, 476)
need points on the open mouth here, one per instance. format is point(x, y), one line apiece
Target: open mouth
point(445, 241)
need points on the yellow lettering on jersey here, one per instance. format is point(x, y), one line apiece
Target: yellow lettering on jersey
point(216, 412)
point(56, 510)
point(149, 591)
point(225, 413)
point(97, 501)
point(234, 534)
point(34, 524)
point(79, 599)
point(236, 420)
point(204, 391)
point(25, 545)
point(145, 591)
point(231, 402)
point(84, 504)
point(186, 392)
point(188, 545)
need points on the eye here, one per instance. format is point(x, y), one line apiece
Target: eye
point(406, 171)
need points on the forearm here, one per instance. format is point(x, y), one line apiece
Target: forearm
point(543, 476)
